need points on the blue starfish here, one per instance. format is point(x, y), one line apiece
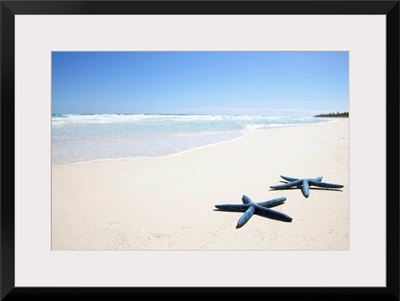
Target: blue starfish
point(262, 209)
point(305, 184)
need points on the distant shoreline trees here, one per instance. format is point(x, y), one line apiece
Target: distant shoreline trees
point(337, 114)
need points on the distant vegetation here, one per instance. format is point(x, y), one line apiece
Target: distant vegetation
point(344, 114)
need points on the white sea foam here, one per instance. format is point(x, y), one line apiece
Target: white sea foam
point(68, 119)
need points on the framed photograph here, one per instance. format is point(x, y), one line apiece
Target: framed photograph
point(243, 149)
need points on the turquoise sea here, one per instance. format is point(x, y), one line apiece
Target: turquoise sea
point(97, 137)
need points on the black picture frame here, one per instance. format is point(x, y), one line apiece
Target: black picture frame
point(9, 9)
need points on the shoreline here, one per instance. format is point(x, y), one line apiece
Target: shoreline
point(192, 149)
point(149, 158)
point(168, 203)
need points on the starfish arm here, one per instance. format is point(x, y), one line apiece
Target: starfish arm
point(272, 203)
point(246, 200)
point(289, 178)
point(272, 214)
point(318, 179)
point(305, 188)
point(287, 185)
point(232, 207)
point(326, 185)
point(245, 217)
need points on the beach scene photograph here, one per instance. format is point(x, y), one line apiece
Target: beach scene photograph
point(200, 151)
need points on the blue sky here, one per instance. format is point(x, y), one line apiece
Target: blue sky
point(261, 83)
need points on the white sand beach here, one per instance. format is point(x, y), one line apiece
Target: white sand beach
point(168, 203)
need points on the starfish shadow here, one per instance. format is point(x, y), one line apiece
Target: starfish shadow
point(311, 188)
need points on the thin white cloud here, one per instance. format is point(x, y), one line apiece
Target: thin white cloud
point(250, 111)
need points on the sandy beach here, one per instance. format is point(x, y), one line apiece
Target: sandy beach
point(169, 203)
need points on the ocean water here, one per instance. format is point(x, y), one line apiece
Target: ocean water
point(98, 137)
